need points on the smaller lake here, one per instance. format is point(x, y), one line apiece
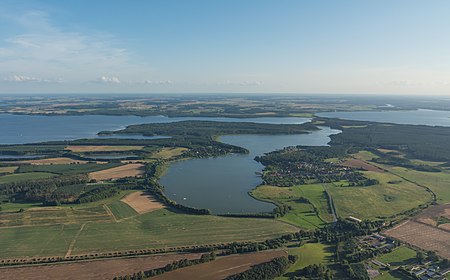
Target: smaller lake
point(21, 129)
point(222, 184)
point(417, 117)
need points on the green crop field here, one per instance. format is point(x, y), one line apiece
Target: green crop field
point(121, 210)
point(309, 253)
point(49, 231)
point(67, 168)
point(438, 182)
point(302, 214)
point(384, 199)
point(165, 228)
point(51, 240)
point(24, 177)
point(400, 256)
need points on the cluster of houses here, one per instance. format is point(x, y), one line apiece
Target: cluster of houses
point(379, 242)
point(428, 271)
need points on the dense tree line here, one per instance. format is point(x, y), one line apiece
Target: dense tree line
point(356, 271)
point(314, 271)
point(409, 139)
point(44, 190)
point(267, 270)
point(169, 267)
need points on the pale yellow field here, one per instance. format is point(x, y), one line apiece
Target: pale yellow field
point(82, 149)
point(167, 153)
point(8, 169)
point(48, 161)
point(127, 170)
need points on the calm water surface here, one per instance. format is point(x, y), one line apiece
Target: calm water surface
point(418, 117)
point(221, 184)
point(20, 129)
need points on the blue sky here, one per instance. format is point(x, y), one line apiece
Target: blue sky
point(346, 46)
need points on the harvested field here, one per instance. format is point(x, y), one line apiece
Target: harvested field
point(127, 170)
point(221, 267)
point(100, 269)
point(433, 214)
point(423, 236)
point(82, 149)
point(360, 164)
point(8, 169)
point(142, 202)
point(48, 161)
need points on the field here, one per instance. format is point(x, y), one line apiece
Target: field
point(426, 231)
point(309, 253)
point(302, 214)
point(8, 169)
point(391, 196)
point(400, 256)
point(423, 236)
point(44, 232)
point(128, 170)
point(67, 169)
point(141, 202)
point(82, 149)
point(438, 182)
point(24, 177)
point(167, 153)
point(221, 267)
point(100, 269)
point(58, 160)
point(120, 210)
point(360, 164)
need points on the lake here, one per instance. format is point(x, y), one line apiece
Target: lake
point(221, 184)
point(417, 117)
point(21, 129)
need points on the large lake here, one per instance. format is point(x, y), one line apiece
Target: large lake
point(221, 184)
point(418, 117)
point(21, 129)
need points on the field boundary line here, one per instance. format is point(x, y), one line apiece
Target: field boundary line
point(110, 213)
point(72, 244)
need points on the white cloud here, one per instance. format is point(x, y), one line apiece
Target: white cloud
point(22, 79)
point(166, 82)
point(45, 50)
point(244, 83)
point(107, 79)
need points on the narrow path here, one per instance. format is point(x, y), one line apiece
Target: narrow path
point(72, 244)
point(331, 204)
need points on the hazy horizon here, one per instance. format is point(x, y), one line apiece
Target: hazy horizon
point(249, 47)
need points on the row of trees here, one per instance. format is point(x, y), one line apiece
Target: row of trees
point(169, 267)
point(267, 270)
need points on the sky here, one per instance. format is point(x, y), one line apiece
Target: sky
point(226, 46)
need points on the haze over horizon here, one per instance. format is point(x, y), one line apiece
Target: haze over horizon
point(225, 46)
